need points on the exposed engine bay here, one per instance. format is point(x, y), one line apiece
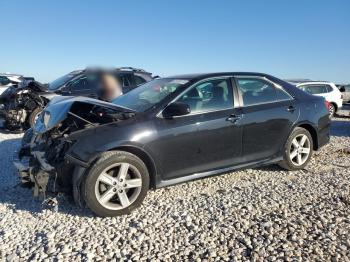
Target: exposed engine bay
point(44, 153)
point(20, 106)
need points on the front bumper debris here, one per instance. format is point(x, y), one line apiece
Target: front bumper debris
point(33, 176)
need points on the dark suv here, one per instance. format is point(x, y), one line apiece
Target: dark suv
point(172, 130)
point(21, 106)
point(85, 82)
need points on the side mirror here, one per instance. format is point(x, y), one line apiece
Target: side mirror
point(342, 89)
point(176, 109)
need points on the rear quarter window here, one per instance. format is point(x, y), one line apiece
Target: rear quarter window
point(315, 89)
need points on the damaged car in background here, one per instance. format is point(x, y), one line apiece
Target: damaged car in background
point(168, 131)
point(22, 106)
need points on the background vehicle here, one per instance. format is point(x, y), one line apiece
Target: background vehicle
point(83, 82)
point(21, 106)
point(7, 80)
point(345, 90)
point(25, 81)
point(171, 130)
point(327, 90)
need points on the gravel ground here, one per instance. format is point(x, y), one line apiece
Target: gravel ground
point(256, 214)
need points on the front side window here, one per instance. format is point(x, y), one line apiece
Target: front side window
point(314, 89)
point(259, 91)
point(56, 84)
point(85, 82)
point(215, 94)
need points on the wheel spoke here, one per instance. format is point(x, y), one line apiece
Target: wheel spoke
point(305, 150)
point(123, 171)
point(107, 196)
point(303, 140)
point(106, 179)
point(295, 143)
point(293, 154)
point(299, 160)
point(123, 197)
point(131, 183)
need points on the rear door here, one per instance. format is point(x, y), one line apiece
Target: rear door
point(268, 114)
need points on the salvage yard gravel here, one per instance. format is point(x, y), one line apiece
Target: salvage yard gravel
point(263, 214)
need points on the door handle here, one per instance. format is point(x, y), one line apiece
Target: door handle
point(234, 118)
point(291, 109)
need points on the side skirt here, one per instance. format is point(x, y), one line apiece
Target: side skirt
point(170, 182)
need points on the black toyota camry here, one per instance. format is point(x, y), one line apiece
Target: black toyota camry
point(168, 131)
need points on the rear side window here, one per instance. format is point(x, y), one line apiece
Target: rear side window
point(329, 88)
point(258, 91)
point(315, 89)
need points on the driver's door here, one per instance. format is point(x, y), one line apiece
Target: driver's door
point(206, 139)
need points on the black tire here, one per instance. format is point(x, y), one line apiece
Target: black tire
point(33, 115)
point(27, 137)
point(332, 110)
point(104, 162)
point(287, 162)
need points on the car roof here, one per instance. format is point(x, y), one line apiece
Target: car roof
point(314, 83)
point(207, 75)
point(8, 74)
point(117, 69)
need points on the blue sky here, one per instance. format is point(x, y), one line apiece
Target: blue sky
point(289, 39)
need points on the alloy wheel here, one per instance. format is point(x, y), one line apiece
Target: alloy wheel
point(299, 150)
point(118, 186)
point(331, 110)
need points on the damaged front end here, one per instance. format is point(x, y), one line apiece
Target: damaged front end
point(17, 104)
point(42, 162)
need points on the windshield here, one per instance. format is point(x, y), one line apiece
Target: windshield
point(54, 85)
point(147, 95)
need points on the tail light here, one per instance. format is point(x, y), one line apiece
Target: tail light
point(326, 103)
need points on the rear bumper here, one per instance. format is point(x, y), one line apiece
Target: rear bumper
point(323, 137)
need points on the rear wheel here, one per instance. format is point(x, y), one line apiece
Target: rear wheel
point(116, 184)
point(331, 110)
point(298, 150)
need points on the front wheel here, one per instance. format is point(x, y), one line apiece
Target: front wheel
point(298, 150)
point(34, 115)
point(116, 184)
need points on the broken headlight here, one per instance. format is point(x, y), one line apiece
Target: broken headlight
point(46, 118)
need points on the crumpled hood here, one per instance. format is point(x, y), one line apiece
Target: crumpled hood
point(59, 107)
